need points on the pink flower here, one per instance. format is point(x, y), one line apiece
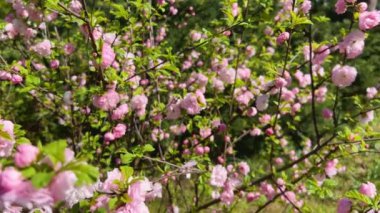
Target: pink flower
point(340, 7)
point(344, 206)
point(282, 38)
point(252, 196)
point(138, 103)
point(43, 48)
point(25, 155)
point(343, 76)
point(107, 101)
point(267, 190)
point(368, 189)
point(327, 113)
point(371, 92)
point(330, 168)
point(110, 184)
point(353, 44)
point(367, 117)
point(218, 176)
point(119, 130)
point(235, 9)
point(137, 192)
point(205, 132)
point(306, 6)
point(120, 112)
point(69, 49)
point(321, 54)
point(173, 111)
point(108, 55)
point(10, 178)
point(227, 75)
point(243, 168)
point(262, 102)
point(62, 185)
point(101, 202)
point(109, 136)
point(369, 20)
point(16, 79)
point(75, 6)
point(6, 145)
point(192, 103)
point(362, 6)
point(243, 96)
point(54, 64)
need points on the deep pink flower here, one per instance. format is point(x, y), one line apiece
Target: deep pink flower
point(243, 168)
point(340, 7)
point(343, 76)
point(25, 155)
point(369, 20)
point(119, 130)
point(344, 206)
point(282, 38)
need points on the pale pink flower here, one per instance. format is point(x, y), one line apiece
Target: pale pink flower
point(267, 190)
point(362, 6)
point(227, 75)
point(139, 103)
point(353, 44)
point(343, 76)
point(367, 117)
point(218, 176)
point(110, 184)
point(235, 9)
point(75, 6)
point(371, 92)
point(62, 184)
point(369, 20)
point(192, 103)
point(25, 155)
point(368, 189)
point(330, 168)
point(306, 6)
point(43, 48)
point(108, 55)
point(262, 102)
point(6, 145)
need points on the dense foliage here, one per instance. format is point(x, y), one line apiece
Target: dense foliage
point(184, 106)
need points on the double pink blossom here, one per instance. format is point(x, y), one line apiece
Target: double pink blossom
point(369, 20)
point(343, 76)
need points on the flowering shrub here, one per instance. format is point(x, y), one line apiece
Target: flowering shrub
point(131, 106)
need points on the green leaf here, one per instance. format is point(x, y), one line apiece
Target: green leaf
point(148, 148)
point(85, 173)
point(28, 172)
point(127, 171)
point(42, 179)
point(357, 196)
point(127, 158)
point(56, 151)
